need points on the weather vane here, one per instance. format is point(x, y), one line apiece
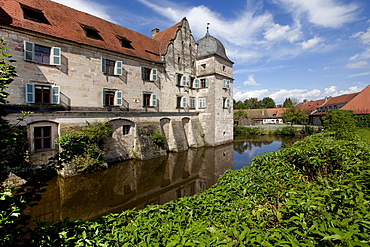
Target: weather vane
point(208, 26)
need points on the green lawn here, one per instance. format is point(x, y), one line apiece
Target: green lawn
point(364, 133)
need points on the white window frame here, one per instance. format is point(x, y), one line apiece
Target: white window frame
point(184, 102)
point(153, 100)
point(184, 81)
point(118, 98)
point(117, 66)
point(192, 103)
point(30, 94)
point(196, 83)
point(202, 103)
point(29, 53)
point(226, 84)
point(227, 103)
point(153, 76)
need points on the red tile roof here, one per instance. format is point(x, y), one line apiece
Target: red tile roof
point(360, 104)
point(66, 23)
point(343, 99)
point(310, 106)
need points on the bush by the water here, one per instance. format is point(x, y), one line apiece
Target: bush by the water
point(286, 131)
point(315, 193)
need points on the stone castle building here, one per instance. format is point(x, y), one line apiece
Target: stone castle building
point(75, 68)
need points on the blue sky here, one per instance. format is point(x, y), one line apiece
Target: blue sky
point(302, 49)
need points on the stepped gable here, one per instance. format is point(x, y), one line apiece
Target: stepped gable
point(166, 36)
point(66, 23)
point(209, 46)
point(360, 104)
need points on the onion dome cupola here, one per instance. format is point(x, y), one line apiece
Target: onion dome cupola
point(209, 46)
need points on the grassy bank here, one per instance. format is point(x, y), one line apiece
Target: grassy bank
point(315, 193)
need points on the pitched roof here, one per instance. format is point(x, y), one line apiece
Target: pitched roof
point(264, 113)
point(310, 106)
point(360, 104)
point(342, 99)
point(67, 23)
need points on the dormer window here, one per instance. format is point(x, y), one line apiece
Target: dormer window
point(33, 14)
point(125, 43)
point(91, 32)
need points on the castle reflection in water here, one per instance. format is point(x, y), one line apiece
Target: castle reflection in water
point(133, 184)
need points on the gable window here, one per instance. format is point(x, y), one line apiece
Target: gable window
point(192, 103)
point(33, 14)
point(112, 97)
point(91, 32)
point(111, 67)
point(42, 138)
point(41, 54)
point(126, 129)
point(226, 103)
point(125, 43)
point(202, 102)
point(226, 84)
point(149, 74)
point(181, 102)
point(42, 94)
point(149, 99)
point(204, 83)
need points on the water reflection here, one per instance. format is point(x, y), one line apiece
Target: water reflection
point(133, 184)
point(246, 149)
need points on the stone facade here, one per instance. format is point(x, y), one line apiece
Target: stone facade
point(183, 90)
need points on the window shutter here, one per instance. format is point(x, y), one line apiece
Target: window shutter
point(153, 75)
point(118, 97)
point(103, 98)
point(153, 100)
point(196, 83)
point(183, 102)
point(206, 82)
point(183, 79)
point(224, 84)
point(29, 51)
point(55, 56)
point(103, 65)
point(30, 93)
point(118, 68)
point(55, 96)
point(142, 75)
point(228, 84)
point(228, 103)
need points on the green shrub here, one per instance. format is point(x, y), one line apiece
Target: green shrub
point(315, 193)
point(240, 130)
point(158, 138)
point(286, 131)
point(308, 130)
point(341, 122)
point(82, 147)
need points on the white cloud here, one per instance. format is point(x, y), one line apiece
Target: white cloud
point(311, 43)
point(359, 74)
point(333, 91)
point(326, 13)
point(279, 32)
point(251, 81)
point(238, 95)
point(364, 36)
point(89, 7)
point(358, 65)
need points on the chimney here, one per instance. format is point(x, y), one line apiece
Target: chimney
point(155, 31)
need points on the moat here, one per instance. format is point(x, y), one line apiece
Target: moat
point(136, 184)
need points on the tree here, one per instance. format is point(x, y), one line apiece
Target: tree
point(340, 121)
point(293, 115)
point(288, 103)
point(239, 115)
point(267, 102)
point(239, 105)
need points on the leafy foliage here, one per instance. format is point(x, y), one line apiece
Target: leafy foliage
point(315, 193)
point(239, 115)
point(254, 103)
point(293, 115)
point(286, 131)
point(158, 138)
point(82, 147)
point(340, 121)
